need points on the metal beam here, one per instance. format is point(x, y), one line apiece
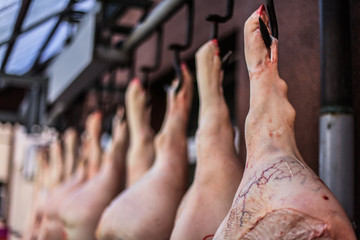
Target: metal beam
point(45, 44)
point(8, 116)
point(119, 56)
point(20, 81)
point(143, 31)
point(122, 7)
point(32, 117)
point(17, 28)
point(158, 16)
point(34, 25)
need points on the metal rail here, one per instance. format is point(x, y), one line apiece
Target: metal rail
point(143, 31)
point(21, 81)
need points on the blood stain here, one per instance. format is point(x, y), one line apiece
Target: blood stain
point(208, 237)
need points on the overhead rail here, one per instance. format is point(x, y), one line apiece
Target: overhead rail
point(21, 81)
point(157, 17)
point(105, 56)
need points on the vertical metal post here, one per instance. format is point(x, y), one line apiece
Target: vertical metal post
point(33, 111)
point(336, 118)
point(42, 105)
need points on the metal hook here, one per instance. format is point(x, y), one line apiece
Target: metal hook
point(177, 48)
point(265, 33)
point(131, 67)
point(148, 69)
point(272, 16)
point(273, 24)
point(216, 19)
point(131, 74)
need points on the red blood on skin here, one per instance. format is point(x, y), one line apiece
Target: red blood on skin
point(208, 237)
point(260, 9)
point(326, 197)
point(136, 80)
point(64, 235)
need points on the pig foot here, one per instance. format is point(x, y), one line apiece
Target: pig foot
point(56, 164)
point(93, 134)
point(218, 171)
point(147, 209)
point(70, 142)
point(141, 150)
point(277, 185)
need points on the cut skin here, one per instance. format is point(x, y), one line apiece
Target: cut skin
point(218, 171)
point(277, 186)
point(147, 209)
point(81, 212)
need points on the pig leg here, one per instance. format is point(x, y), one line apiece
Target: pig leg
point(279, 197)
point(218, 170)
point(147, 209)
point(81, 212)
point(141, 152)
point(93, 134)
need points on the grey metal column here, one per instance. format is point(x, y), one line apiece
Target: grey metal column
point(336, 118)
point(337, 157)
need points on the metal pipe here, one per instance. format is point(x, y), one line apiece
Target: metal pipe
point(157, 17)
point(336, 157)
point(336, 166)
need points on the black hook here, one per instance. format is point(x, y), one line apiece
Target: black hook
point(131, 67)
point(265, 33)
point(131, 74)
point(148, 69)
point(216, 19)
point(273, 24)
point(177, 48)
point(272, 16)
